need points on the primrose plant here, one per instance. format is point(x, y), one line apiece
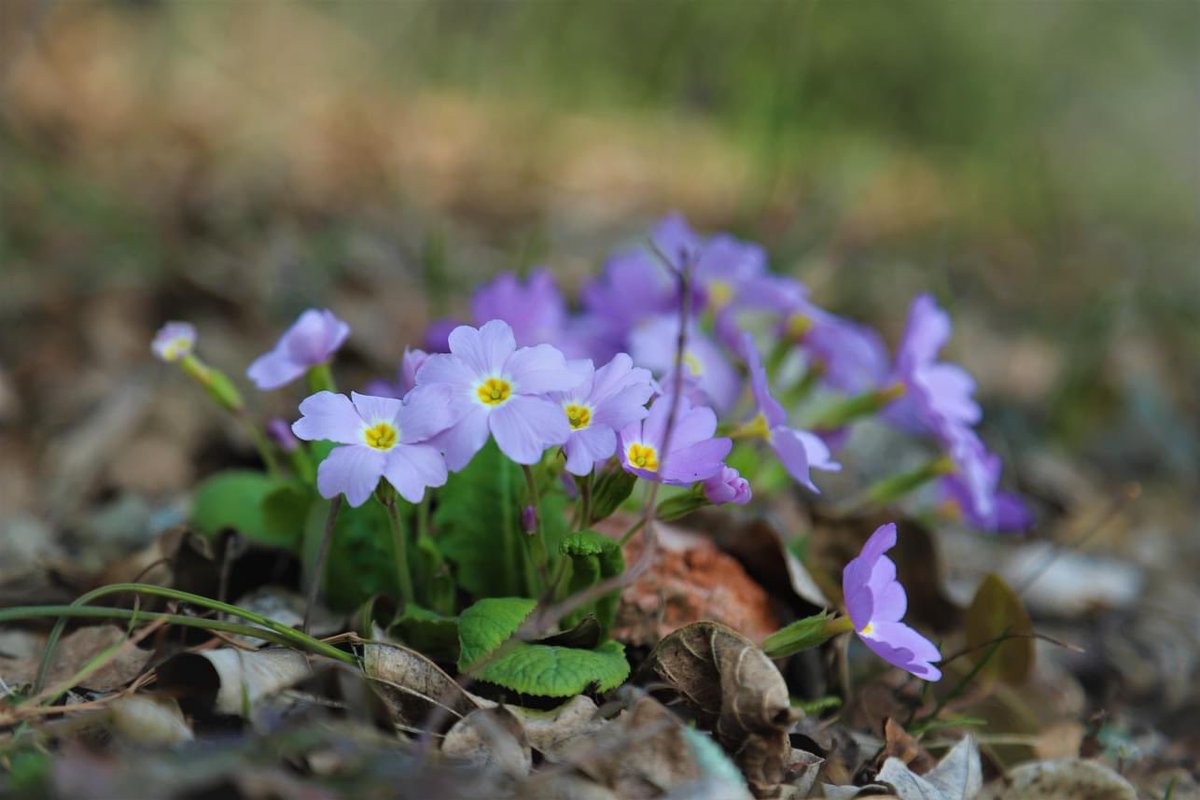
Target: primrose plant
point(483, 486)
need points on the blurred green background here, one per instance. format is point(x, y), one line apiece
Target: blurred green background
point(1035, 164)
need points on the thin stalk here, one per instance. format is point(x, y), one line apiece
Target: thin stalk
point(285, 633)
point(537, 537)
point(314, 588)
point(320, 378)
point(400, 545)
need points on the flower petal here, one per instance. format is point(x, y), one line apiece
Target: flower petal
point(274, 369)
point(485, 349)
point(586, 447)
point(445, 368)
point(429, 410)
point(525, 426)
point(695, 462)
point(328, 416)
point(462, 440)
point(412, 467)
point(900, 645)
point(540, 369)
point(351, 470)
point(374, 409)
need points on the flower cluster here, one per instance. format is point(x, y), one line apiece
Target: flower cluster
point(684, 360)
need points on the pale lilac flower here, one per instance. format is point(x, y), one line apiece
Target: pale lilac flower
point(606, 401)
point(495, 388)
point(174, 340)
point(727, 486)
point(936, 393)
point(973, 487)
point(694, 453)
point(406, 376)
point(799, 451)
point(876, 603)
point(379, 437)
point(534, 308)
point(850, 356)
point(653, 345)
point(312, 340)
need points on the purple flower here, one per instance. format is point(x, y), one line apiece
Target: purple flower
point(535, 310)
point(727, 486)
point(312, 340)
point(693, 455)
point(379, 437)
point(876, 603)
point(653, 345)
point(279, 430)
point(437, 335)
point(973, 485)
point(492, 387)
point(174, 340)
point(406, 376)
point(606, 401)
point(798, 450)
point(936, 393)
point(851, 357)
point(633, 287)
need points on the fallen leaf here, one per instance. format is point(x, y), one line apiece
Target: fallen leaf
point(149, 720)
point(899, 744)
point(550, 731)
point(997, 611)
point(413, 686)
point(1064, 779)
point(74, 652)
point(231, 681)
point(732, 688)
point(957, 776)
point(491, 738)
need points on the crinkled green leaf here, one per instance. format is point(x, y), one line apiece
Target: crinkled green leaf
point(489, 623)
point(594, 557)
point(611, 490)
point(554, 671)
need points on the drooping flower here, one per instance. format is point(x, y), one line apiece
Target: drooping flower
point(654, 343)
point(799, 451)
point(692, 453)
point(727, 486)
point(495, 388)
point(379, 437)
point(534, 308)
point(174, 340)
point(605, 402)
point(972, 487)
point(936, 393)
point(311, 340)
point(876, 603)
point(406, 375)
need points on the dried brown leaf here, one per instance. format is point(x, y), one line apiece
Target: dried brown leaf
point(230, 681)
point(413, 686)
point(491, 738)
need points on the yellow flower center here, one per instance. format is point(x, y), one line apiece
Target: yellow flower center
point(580, 416)
point(797, 325)
point(693, 364)
point(753, 429)
point(643, 456)
point(493, 391)
point(177, 348)
point(719, 294)
point(867, 629)
point(381, 435)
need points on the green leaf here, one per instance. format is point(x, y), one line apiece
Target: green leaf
point(611, 490)
point(428, 632)
point(434, 585)
point(234, 499)
point(996, 611)
point(361, 560)
point(285, 512)
point(489, 623)
point(553, 671)
point(594, 557)
point(478, 525)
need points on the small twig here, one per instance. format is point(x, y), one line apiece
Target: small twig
point(314, 588)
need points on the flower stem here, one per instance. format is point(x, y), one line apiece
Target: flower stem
point(314, 588)
point(320, 378)
point(537, 536)
point(400, 545)
point(856, 407)
point(894, 487)
point(631, 530)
